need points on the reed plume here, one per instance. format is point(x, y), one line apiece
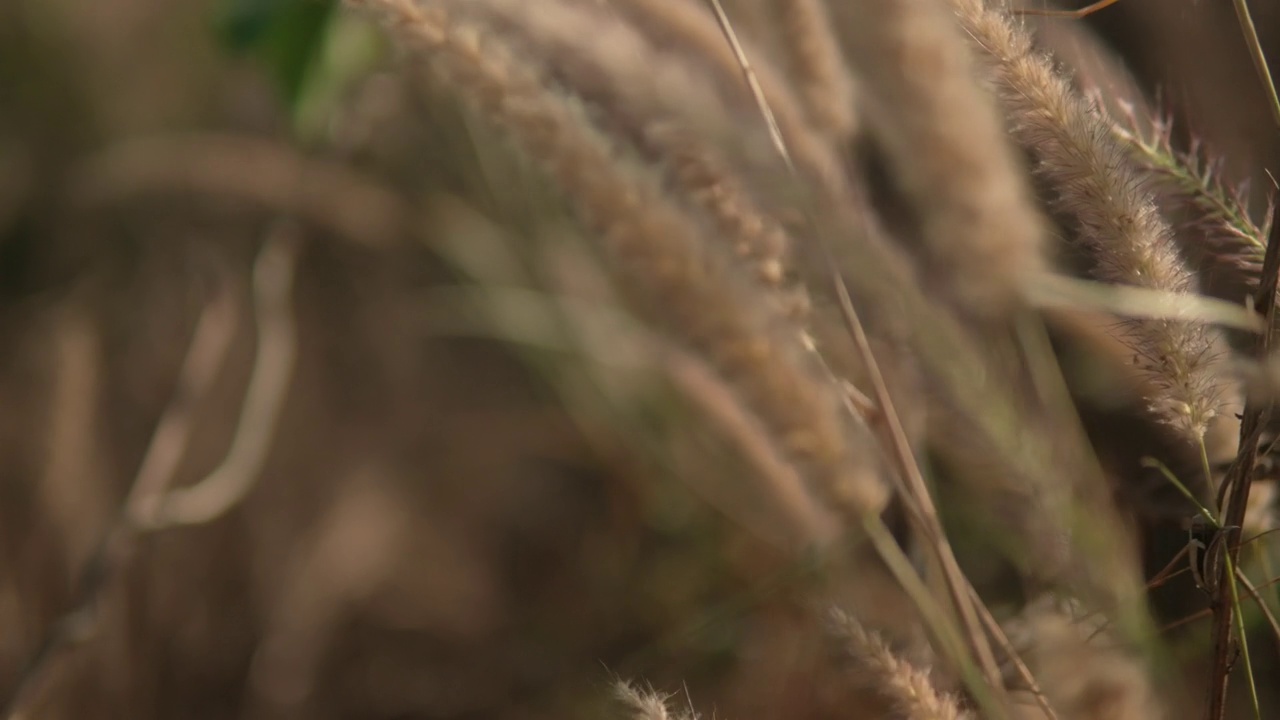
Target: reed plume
point(1093, 182)
point(1080, 668)
point(646, 704)
point(946, 148)
point(659, 254)
point(670, 113)
point(871, 665)
point(824, 82)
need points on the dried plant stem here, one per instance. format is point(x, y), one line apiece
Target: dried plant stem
point(1233, 496)
point(265, 172)
point(1019, 665)
point(1258, 57)
point(1117, 221)
point(672, 274)
point(950, 354)
point(752, 80)
point(71, 487)
point(1038, 460)
point(1256, 414)
point(1067, 293)
point(1076, 14)
point(148, 505)
point(912, 487)
point(1208, 612)
point(915, 492)
point(168, 444)
point(942, 628)
point(205, 356)
point(269, 382)
point(1261, 602)
point(687, 23)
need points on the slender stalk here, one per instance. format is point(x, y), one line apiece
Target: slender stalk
point(913, 489)
point(1258, 56)
point(1232, 572)
point(1240, 478)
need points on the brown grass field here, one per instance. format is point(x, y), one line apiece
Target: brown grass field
point(638, 359)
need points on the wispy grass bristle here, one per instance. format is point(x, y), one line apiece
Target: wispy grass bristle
point(640, 704)
point(1222, 221)
point(661, 256)
point(670, 112)
point(1095, 184)
point(873, 667)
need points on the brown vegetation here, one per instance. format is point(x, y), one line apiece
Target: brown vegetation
point(636, 358)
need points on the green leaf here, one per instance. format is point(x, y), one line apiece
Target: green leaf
point(285, 35)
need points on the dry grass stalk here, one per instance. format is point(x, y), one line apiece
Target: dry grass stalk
point(204, 359)
point(151, 503)
point(1233, 495)
point(912, 488)
point(946, 148)
point(673, 276)
point(1004, 451)
point(1118, 222)
point(240, 166)
point(872, 666)
point(77, 507)
point(269, 381)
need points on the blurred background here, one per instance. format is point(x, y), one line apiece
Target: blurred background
point(448, 494)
